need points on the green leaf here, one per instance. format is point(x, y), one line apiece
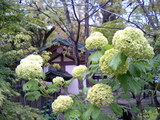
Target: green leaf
point(129, 83)
point(135, 70)
point(52, 89)
point(95, 113)
point(107, 47)
point(95, 56)
point(72, 114)
point(117, 60)
point(31, 85)
point(104, 117)
point(134, 86)
point(117, 109)
point(33, 95)
point(92, 80)
point(87, 114)
point(68, 82)
point(123, 79)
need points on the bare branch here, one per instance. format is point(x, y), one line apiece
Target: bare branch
point(132, 12)
point(94, 11)
point(123, 19)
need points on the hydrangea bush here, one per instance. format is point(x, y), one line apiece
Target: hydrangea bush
point(122, 66)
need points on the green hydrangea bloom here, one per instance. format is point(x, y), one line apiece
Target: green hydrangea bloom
point(29, 70)
point(30, 58)
point(100, 94)
point(61, 104)
point(96, 41)
point(30, 67)
point(148, 52)
point(132, 43)
point(104, 63)
point(78, 71)
point(58, 79)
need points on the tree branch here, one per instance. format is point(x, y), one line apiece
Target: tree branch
point(132, 12)
point(123, 19)
point(145, 11)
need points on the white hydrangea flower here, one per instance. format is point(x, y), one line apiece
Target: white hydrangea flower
point(30, 58)
point(104, 63)
point(62, 103)
point(78, 71)
point(132, 43)
point(96, 41)
point(29, 70)
point(100, 94)
point(58, 79)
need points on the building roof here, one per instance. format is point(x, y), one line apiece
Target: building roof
point(64, 42)
point(54, 73)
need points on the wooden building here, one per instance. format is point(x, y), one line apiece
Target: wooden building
point(62, 54)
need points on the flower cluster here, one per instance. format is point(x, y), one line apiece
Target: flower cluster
point(96, 41)
point(33, 58)
point(62, 103)
point(100, 94)
point(58, 79)
point(78, 71)
point(30, 67)
point(104, 63)
point(132, 43)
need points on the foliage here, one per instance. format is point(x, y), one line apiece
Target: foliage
point(108, 33)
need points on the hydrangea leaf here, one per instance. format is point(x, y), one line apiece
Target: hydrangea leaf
point(93, 112)
point(107, 47)
point(33, 95)
point(123, 79)
point(52, 89)
point(72, 115)
point(104, 117)
point(117, 60)
point(129, 83)
point(117, 109)
point(95, 56)
point(31, 85)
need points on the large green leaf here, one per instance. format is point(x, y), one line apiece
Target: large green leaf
point(107, 47)
point(117, 60)
point(33, 95)
point(72, 114)
point(31, 85)
point(117, 109)
point(93, 112)
point(52, 89)
point(95, 56)
point(129, 83)
point(123, 79)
